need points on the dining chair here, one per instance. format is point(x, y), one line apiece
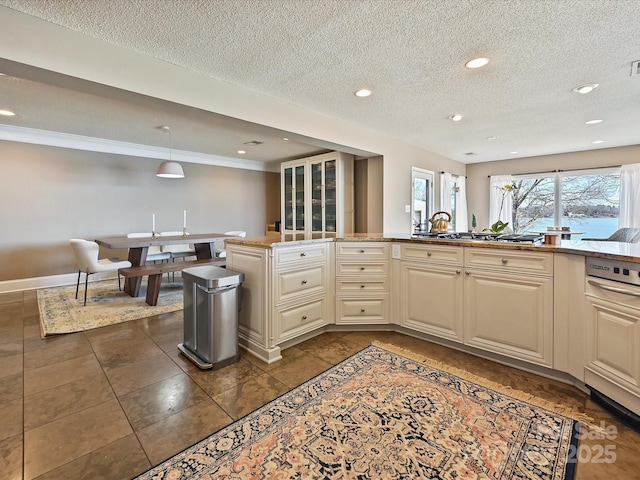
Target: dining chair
point(235, 233)
point(182, 250)
point(86, 253)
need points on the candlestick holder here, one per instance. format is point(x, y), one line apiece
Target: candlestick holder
point(184, 232)
point(154, 235)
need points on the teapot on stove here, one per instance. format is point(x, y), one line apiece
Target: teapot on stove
point(440, 225)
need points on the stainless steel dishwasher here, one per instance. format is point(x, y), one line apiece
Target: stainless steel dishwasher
point(212, 298)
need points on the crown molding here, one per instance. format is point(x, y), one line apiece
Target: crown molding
point(92, 144)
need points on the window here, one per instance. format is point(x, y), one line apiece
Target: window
point(421, 198)
point(586, 201)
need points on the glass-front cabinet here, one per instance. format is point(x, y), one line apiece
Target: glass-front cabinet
point(317, 194)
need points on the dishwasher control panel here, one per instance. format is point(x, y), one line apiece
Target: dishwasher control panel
point(616, 270)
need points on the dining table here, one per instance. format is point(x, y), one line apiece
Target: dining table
point(204, 244)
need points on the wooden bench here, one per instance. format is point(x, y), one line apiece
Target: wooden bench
point(155, 271)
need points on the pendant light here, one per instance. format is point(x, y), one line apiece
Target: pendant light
point(169, 169)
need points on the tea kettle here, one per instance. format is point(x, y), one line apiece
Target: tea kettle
point(440, 225)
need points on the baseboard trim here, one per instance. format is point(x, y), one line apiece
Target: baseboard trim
point(34, 283)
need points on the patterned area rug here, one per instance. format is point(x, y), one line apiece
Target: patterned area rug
point(386, 414)
point(60, 312)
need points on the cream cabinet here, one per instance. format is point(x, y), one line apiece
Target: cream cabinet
point(287, 293)
point(613, 341)
point(508, 303)
point(431, 290)
point(317, 194)
point(362, 287)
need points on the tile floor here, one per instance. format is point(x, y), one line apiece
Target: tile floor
point(111, 402)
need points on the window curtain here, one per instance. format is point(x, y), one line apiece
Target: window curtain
point(500, 202)
point(629, 196)
point(446, 182)
point(462, 219)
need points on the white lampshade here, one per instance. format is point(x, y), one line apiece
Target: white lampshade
point(170, 169)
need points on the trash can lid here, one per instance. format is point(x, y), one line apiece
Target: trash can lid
point(214, 276)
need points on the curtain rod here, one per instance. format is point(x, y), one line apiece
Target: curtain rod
point(568, 170)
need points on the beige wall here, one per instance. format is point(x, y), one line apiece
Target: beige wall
point(368, 194)
point(52, 194)
point(478, 173)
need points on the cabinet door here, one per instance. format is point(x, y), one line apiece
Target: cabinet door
point(299, 198)
point(431, 299)
point(317, 197)
point(287, 198)
point(509, 314)
point(613, 342)
point(330, 196)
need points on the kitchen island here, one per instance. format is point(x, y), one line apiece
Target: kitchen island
point(529, 306)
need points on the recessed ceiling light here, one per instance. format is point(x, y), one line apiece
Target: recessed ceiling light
point(477, 62)
point(363, 92)
point(493, 137)
point(7, 113)
point(586, 88)
point(285, 139)
point(592, 122)
point(513, 153)
point(456, 117)
point(598, 141)
point(241, 152)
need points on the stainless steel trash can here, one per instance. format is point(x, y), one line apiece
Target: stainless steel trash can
point(211, 304)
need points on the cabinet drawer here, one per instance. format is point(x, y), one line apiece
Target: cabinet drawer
point(299, 319)
point(364, 250)
point(363, 310)
point(302, 281)
point(363, 286)
point(361, 268)
point(300, 254)
point(433, 253)
point(509, 260)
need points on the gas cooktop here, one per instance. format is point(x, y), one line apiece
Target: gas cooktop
point(485, 236)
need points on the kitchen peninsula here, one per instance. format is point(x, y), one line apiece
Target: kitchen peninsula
point(539, 308)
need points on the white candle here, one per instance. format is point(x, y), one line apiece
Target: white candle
point(185, 219)
point(153, 222)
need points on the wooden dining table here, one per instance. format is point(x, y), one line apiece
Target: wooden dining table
point(204, 243)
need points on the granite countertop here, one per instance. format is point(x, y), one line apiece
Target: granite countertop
point(614, 250)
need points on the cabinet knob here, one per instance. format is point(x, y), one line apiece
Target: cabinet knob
point(303, 254)
point(457, 272)
point(361, 251)
point(362, 310)
point(304, 282)
point(428, 254)
point(504, 261)
point(467, 272)
point(304, 317)
point(361, 268)
point(361, 286)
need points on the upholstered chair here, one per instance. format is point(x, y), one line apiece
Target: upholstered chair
point(626, 235)
point(222, 253)
point(86, 253)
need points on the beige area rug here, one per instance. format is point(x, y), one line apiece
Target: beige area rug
point(386, 413)
point(60, 312)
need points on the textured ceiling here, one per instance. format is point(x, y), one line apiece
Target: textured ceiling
point(410, 53)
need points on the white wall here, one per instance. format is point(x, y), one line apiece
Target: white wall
point(42, 44)
point(51, 194)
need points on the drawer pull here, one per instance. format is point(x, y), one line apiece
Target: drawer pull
point(362, 310)
point(361, 251)
point(467, 272)
point(428, 254)
point(504, 261)
point(304, 317)
point(303, 254)
point(304, 282)
point(361, 268)
point(361, 286)
point(457, 272)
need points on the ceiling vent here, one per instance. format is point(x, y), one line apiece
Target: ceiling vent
point(635, 69)
point(253, 143)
